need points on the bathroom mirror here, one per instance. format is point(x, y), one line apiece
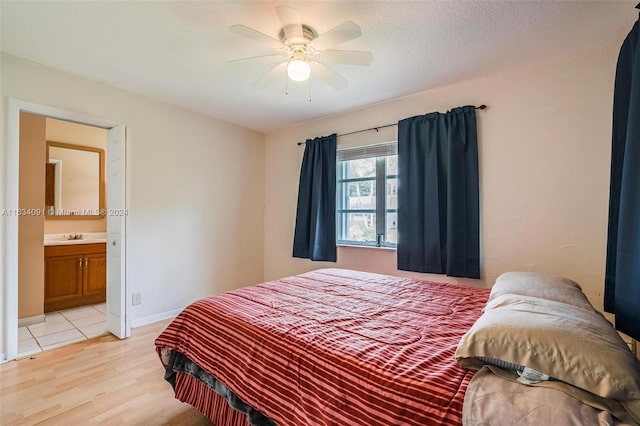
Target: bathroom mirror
point(75, 182)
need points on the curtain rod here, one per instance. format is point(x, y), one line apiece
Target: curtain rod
point(377, 129)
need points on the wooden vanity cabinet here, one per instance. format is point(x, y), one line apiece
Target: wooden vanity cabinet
point(74, 275)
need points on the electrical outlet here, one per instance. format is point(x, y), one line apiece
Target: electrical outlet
point(136, 299)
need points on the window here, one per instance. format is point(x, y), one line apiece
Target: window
point(367, 191)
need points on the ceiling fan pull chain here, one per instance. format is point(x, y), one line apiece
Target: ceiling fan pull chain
point(309, 89)
point(286, 84)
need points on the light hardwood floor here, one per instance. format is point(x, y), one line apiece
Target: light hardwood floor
point(99, 381)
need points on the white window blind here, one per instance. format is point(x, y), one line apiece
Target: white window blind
point(368, 151)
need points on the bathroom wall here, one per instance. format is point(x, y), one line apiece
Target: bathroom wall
point(31, 227)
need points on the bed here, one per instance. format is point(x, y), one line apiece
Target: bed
point(341, 347)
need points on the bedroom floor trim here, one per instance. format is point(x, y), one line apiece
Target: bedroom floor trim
point(139, 322)
point(98, 381)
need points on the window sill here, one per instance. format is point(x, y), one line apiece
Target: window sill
point(366, 247)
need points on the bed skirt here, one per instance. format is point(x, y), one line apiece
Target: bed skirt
point(215, 407)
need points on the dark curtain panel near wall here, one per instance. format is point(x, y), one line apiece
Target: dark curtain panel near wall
point(622, 279)
point(315, 233)
point(438, 197)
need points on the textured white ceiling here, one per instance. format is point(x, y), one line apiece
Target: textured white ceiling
point(175, 51)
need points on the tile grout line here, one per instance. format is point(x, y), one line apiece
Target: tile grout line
point(32, 336)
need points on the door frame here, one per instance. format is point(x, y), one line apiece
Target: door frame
point(9, 279)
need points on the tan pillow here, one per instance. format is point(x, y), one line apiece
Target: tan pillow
point(577, 346)
point(544, 286)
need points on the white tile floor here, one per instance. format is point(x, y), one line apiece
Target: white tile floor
point(62, 328)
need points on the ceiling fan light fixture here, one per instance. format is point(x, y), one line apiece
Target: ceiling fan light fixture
point(299, 68)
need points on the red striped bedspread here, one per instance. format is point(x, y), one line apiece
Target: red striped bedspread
point(336, 347)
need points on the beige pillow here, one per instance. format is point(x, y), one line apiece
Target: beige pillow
point(544, 286)
point(577, 346)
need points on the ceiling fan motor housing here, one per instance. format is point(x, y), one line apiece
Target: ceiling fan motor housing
point(308, 34)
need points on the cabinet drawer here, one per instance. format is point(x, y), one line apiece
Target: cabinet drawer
point(73, 249)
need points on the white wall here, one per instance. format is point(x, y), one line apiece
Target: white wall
point(544, 147)
point(196, 198)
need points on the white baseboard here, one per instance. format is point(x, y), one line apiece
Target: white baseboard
point(36, 319)
point(3, 360)
point(138, 322)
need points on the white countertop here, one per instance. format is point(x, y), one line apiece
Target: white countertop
point(63, 239)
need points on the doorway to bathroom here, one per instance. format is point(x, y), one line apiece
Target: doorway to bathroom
point(61, 250)
point(80, 319)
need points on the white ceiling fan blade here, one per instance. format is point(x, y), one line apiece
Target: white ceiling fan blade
point(349, 57)
point(242, 62)
point(277, 71)
point(344, 32)
point(257, 36)
point(331, 77)
point(291, 23)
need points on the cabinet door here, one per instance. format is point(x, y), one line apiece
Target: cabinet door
point(63, 278)
point(95, 275)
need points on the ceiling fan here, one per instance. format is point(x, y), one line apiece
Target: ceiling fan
point(301, 51)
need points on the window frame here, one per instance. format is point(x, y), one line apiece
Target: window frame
point(381, 211)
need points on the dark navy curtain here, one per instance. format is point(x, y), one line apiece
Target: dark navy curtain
point(438, 199)
point(315, 233)
point(622, 278)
